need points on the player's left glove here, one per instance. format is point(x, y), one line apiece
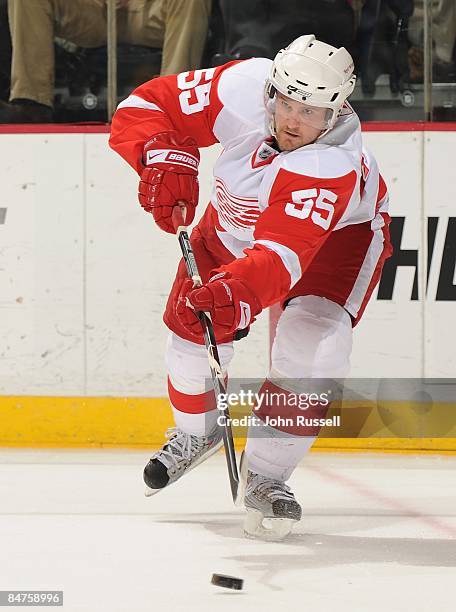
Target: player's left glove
point(169, 178)
point(230, 303)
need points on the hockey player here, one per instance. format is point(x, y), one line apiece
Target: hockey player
point(298, 216)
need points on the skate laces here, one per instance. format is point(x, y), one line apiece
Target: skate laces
point(180, 447)
point(272, 489)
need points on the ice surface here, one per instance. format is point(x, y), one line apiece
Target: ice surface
point(378, 534)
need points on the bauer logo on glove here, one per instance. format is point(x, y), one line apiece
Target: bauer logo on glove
point(157, 157)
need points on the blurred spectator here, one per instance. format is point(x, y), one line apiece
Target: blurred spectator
point(444, 31)
point(382, 45)
point(5, 51)
point(262, 27)
point(443, 37)
point(178, 26)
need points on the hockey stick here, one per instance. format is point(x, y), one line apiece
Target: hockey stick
point(218, 380)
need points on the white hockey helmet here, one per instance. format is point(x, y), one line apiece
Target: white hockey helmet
point(312, 72)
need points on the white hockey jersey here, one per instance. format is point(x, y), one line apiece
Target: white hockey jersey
point(272, 209)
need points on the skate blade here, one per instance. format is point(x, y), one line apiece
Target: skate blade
point(148, 492)
point(265, 528)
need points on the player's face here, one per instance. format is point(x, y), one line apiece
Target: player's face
point(297, 124)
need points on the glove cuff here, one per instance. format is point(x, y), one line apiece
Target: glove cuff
point(254, 302)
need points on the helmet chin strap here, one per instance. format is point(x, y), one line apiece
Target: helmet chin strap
point(272, 127)
point(323, 133)
point(333, 123)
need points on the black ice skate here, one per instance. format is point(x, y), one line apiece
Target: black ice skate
point(271, 508)
point(178, 456)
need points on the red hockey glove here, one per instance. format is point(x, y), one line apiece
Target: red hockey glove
point(229, 302)
point(169, 177)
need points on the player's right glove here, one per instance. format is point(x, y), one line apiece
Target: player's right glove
point(169, 178)
point(230, 303)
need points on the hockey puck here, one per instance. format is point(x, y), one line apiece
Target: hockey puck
point(228, 582)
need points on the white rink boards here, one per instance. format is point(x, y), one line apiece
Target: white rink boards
point(86, 273)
